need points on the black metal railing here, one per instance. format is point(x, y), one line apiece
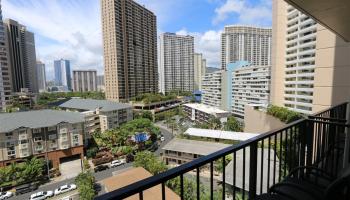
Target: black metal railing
point(260, 162)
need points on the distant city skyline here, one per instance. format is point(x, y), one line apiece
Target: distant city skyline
point(72, 33)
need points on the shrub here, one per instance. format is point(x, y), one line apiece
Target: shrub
point(283, 114)
point(91, 153)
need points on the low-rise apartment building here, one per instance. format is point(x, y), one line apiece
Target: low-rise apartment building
point(51, 134)
point(100, 114)
point(203, 113)
point(179, 151)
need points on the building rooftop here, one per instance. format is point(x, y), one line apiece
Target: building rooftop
point(206, 109)
point(133, 175)
point(37, 119)
point(218, 134)
point(239, 169)
point(92, 104)
point(194, 146)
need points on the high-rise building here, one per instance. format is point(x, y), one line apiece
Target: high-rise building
point(308, 73)
point(41, 76)
point(84, 80)
point(250, 85)
point(211, 88)
point(5, 73)
point(130, 49)
point(246, 43)
point(100, 83)
point(63, 74)
point(200, 66)
point(176, 63)
point(22, 56)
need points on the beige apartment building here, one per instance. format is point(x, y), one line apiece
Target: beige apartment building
point(200, 67)
point(84, 80)
point(129, 33)
point(99, 114)
point(310, 64)
point(50, 134)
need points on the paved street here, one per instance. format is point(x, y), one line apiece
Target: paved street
point(99, 175)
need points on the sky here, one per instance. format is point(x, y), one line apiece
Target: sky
point(71, 29)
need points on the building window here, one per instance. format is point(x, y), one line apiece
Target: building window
point(76, 140)
point(8, 134)
point(37, 130)
point(37, 139)
point(52, 128)
point(52, 137)
point(39, 147)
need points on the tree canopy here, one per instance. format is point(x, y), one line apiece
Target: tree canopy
point(233, 125)
point(85, 182)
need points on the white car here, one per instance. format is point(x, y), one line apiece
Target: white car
point(162, 138)
point(5, 195)
point(41, 195)
point(65, 188)
point(116, 163)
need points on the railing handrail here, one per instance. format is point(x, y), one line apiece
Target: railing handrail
point(328, 109)
point(152, 181)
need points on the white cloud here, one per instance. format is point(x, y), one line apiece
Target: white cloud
point(207, 43)
point(63, 29)
point(258, 13)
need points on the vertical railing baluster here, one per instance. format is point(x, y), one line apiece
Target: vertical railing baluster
point(211, 181)
point(223, 177)
point(262, 167)
point(141, 195)
point(163, 191)
point(268, 164)
point(285, 153)
point(281, 158)
point(198, 184)
point(182, 186)
point(234, 176)
point(253, 161)
point(274, 159)
point(243, 182)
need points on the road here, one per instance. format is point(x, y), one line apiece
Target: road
point(98, 175)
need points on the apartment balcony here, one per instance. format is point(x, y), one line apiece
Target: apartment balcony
point(289, 163)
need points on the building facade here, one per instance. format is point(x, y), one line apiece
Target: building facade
point(100, 114)
point(250, 85)
point(130, 49)
point(5, 68)
point(22, 56)
point(309, 62)
point(100, 82)
point(180, 151)
point(200, 66)
point(246, 43)
point(63, 74)
point(53, 135)
point(176, 63)
point(84, 80)
point(203, 113)
point(212, 88)
point(41, 76)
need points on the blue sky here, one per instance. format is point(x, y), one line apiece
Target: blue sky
point(71, 29)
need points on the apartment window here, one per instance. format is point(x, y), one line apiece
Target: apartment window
point(64, 136)
point(8, 134)
point(76, 139)
point(37, 130)
point(23, 141)
point(39, 147)
point(52, 128)
point(37, 139)
point(11, 149)
point(52, 137)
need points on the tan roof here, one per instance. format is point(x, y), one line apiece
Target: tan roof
point(133, 175)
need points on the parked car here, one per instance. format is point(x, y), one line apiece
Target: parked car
point(116, 163)
point(41, 195)
point(29, 187)
point(65, 188)
point(5, 195)
point(101, 168)
point(162, 138)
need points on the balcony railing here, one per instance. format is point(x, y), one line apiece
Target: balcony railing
point(314, 141)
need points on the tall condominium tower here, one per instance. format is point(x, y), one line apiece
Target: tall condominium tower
point(200, 66)
point(62, 73)
point(22, 56)
point(84, 80)
point(176, 63)
point(246, 43)
point(5, 71)
point(308, 73)
point(41, 76)
point(129, 48)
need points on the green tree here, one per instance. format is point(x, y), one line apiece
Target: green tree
point(150, 162)
point(144, 114)
point(85, 182)
point(233, 125)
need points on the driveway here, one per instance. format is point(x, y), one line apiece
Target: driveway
point(70, 169)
